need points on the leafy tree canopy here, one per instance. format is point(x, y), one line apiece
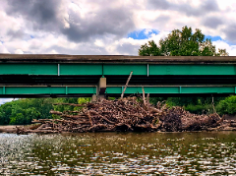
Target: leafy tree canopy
point(182, 43)
point(23, 111)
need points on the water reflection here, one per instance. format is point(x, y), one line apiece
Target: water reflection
point(119, 154)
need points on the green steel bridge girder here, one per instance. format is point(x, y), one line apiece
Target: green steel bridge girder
point(79, 69)
point(89, 91)
point(115, 69)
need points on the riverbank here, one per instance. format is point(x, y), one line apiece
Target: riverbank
point(13, 128)
point(9, 128)
point(28, 129)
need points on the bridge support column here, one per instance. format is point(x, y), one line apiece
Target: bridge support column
point(102, 85)
point(94, 98)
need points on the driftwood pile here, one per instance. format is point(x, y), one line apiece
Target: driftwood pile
point(128, 114)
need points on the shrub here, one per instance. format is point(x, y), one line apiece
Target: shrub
point(198, 109)
point(83, 100)
point(227, 106)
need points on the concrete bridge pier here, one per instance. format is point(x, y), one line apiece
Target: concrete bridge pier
point(102, 85)
point(94, 98)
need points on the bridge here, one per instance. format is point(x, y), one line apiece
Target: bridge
point(29, 75)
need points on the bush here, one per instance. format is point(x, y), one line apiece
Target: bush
point(19, 119)
point(227, 106)
point(198, 109)
point(181, 101)
point(83, 100)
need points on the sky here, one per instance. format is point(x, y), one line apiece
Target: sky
point(109, 27)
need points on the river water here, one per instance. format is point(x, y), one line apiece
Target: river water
point(119, 154)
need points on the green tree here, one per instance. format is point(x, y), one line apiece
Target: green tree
point(181, 101)
point(5, 112)
point(227, 106)
point(18, 119)
point(182, 43)
point(23, 111)
point(150, 49)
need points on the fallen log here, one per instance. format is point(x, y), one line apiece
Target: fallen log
point(55, 112)
point(70, 104)
point(232, 124)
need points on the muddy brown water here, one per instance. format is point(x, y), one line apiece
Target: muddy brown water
point(201, 153)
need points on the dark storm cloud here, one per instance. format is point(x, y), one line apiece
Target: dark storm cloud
point(206, 6)
point(212, 22)
point(115, 21)
point(230, 33)
point(43, 15)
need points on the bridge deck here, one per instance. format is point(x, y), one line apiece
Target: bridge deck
point(71, 75)
point(59, 58)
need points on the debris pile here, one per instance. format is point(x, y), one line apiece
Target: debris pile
point(128, 114)
point(107, 115)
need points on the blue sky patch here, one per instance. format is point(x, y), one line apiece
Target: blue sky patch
point(216, 38)
point(213, 38)
point(142, 34)
point(31, 36)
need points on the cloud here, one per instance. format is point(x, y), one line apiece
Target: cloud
point(108, 27)
point(231, 49)
point(212, 22)
point(230, 33)
point(127, 49)
point(18, 51)
point(5, 100)
point(3, 49)
point(102, 26)
point(48, 15)
point(185, 7)
point(41, 14)
point(159, 4)
point(204, 8)
point(109, 21)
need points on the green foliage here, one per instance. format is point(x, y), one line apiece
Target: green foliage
point(154, 100)
point(198, 109)
point(83, 100)
point(182, 43)
point(5, 112)
point(62, 108)
point(227, 106)
point(111, 98)
point(23, 111)
point(150, 49)
point(18, 119)
point(181, 101)
point(196, 105)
